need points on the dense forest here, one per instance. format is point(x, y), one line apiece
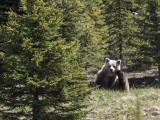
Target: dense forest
point(48, 48)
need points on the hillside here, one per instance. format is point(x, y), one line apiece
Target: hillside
point(138, 104)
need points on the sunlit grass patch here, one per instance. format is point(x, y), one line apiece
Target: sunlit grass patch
point(118, 105)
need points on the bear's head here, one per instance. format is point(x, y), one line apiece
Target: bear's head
point(112, 66)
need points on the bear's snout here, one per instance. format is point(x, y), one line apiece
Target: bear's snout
point(111, 70)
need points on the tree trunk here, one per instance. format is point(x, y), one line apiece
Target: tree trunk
point(120, 41)
point(35, 107)
point(120, 47)
point(159, 71)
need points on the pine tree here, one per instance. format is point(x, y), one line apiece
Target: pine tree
point(148, 20)
point(83, 22)
point(121, 30)
point(6, 5)
point(153, 32)
point(93, 35)
point(43, 78)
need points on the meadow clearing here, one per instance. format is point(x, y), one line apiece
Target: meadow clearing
point(142, 102)
point(138, 104)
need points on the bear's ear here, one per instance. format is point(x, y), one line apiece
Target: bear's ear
point(119, 62)
point(107, 60)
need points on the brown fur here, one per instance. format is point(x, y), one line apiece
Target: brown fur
point(110, 82)
point(111, 77)
point(123, 81)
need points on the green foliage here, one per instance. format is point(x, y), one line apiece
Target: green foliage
point(5, 6)
point(119, 18)
point(148, 33)
point(83, 22)
point(93, 35)
point(48, 49)
point(42, 77)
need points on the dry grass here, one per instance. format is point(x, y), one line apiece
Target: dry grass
point(138, 104)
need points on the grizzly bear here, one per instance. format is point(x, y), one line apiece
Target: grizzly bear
point(111, 77)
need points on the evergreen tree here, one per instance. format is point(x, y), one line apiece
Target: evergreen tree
point(83, 22)
point(42, 77)
point(93, 35)
point(152, 32)
point(6, 5)
point(148, 20)
point(121, 27)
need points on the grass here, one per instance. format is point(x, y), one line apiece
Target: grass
point(138, 104)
